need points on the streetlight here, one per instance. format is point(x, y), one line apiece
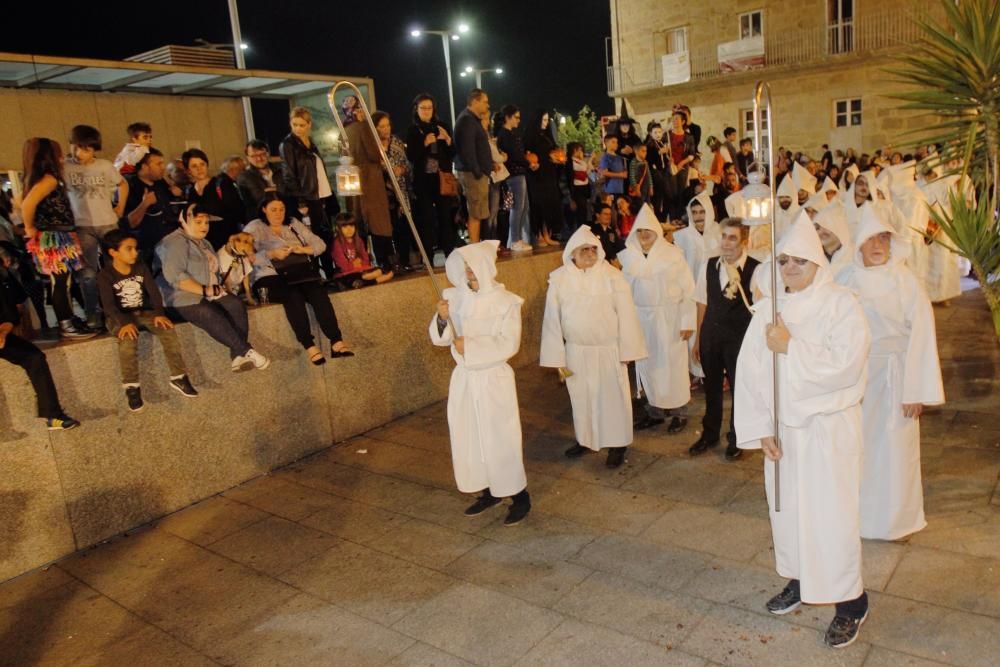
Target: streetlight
point(241, 63)
point(469, 70)
point(447, 36)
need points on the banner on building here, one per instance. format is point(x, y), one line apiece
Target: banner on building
point(741, 55)
point(676, 68)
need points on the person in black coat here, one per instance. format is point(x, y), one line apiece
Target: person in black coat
point(429, 150)
point(216, 195)
point(544, 197)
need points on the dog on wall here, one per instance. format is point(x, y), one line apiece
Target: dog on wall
point(236, 260)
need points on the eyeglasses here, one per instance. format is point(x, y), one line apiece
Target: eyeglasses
point(799, 261)
point(424, 107)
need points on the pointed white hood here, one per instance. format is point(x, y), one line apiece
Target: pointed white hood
point(581, 237)
point(803, 179)
point(904, 178)
point(787, 188)
point(829, 186)
point(883, 184)
point(833, 220)
point(870, 180)
point(844, 186)
point(873, 223)
point(481, 258)
point(817, 202)
point(645, 219)
point(802, 241)
point(712, 232)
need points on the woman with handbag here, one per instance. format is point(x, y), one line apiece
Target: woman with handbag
point(50, 230)
point(285, 265)
point(435, 188)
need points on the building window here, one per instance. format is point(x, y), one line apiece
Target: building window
point(675, 40)
point(746, 129)
point(847, 113)
point(752, 24)
point(840, 25)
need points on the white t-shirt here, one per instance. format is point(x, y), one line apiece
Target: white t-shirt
point(322, 182)
point(91, 189)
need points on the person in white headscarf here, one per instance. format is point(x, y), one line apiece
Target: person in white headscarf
point(483, 417)
point(698, 241)
point(821, 339)
point(590, 331)
point(904, 375)
point(788, 205)
point(663, 292)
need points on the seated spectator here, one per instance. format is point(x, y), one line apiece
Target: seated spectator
point(350, 254)
point(190, 283)
point(132, 300)
point(625, 217)
point(259, 178)
point(148, 213)
point(140, 141)
point(23, 353)
point(278, 238)
point(217, 196)
point(611, 239)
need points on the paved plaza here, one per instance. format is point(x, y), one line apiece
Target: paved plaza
point(360, 555)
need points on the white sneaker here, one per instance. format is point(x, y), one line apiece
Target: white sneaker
point(259, 361)
point(521, 246)
point(242, 363)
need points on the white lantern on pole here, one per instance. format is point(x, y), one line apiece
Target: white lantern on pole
point(757, 197)
point(348, 177)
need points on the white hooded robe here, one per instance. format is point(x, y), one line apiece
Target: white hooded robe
point(483, 417)
point(903, 367)
point(821, 383)
point(591, 327)
point(698, 247)
point(663, 291)
point(914, 212)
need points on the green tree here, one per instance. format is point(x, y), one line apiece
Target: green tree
point(585, 128)
point(955, 75)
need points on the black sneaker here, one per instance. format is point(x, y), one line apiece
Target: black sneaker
point(61, 423)
point(72, 330)
point(843, 631)
point(616, 457)
point(516, 513)
point(702, 446)
point(483, 503)
point(647, 422)
point(677, 425)
point(733, 452)
point(183, 385)
point(576, 451)
point(786, 601)
point(134, 397)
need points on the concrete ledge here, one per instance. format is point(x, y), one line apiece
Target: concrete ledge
point(64, 491)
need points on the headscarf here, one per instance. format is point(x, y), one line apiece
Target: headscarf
point(712, 233)
point(482, 259)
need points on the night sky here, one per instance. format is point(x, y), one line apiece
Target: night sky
point(552, 51)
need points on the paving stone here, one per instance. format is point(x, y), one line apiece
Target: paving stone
point(976, 533)
point(26, 587)
point(280, 497)
point(675, 479)
point(447, 508)
point(423, 655)
point(578, 643)
point(731, 636)
point(354, 521)
point(273, 545)
point(155, 646)
point(649, 613)
point(359, 485)
point(949, 579)
point(369, 583)
point(519, 573)
point(883, 657)
point(480, 625)
point(606, 508)
point(713, 531)
point(211, 520)
point(309, 631)
point(425, 543)
point(548, 536)
point(666, 567)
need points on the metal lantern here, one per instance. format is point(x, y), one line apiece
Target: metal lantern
point(348, 178)
point(757, 197)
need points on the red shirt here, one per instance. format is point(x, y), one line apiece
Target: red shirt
point(677, 147)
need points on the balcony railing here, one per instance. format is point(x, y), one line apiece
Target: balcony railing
point(872, 32)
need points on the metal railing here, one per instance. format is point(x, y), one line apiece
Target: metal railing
point(872, 32)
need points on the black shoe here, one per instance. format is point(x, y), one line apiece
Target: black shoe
point(134, 397)
point(61, 423)
point(843, 631)
point(183, 385)
point(483, 503)
point(616, 457)
point(518, 509)
point(677, 424)
point(647, 422)
point(70, 329)
point(702, 446)
point(733, 452)
point(786, 601)
point(576, 451)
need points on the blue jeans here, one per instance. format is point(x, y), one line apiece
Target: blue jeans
point(519, 228)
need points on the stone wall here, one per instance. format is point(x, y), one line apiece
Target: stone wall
point(64, 491)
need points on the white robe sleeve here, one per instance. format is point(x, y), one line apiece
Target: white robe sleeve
point(753, 411)
point(485, 351)
point(688, 305)
point(553, 352)
point(824, 369)
point(631, 341)
point(922, 374)
point(445, 338)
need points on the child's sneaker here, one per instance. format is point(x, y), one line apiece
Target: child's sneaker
point(134, 397)
point(260, 362)
point(61, 423)
point(242, 363)
point(183, 385)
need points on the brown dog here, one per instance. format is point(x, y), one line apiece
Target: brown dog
point(236, 259)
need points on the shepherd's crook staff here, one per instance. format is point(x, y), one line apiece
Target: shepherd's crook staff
point(763, 90)
point(404, 203)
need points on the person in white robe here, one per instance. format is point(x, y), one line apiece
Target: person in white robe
point(822, 340)
point(904, 375)
point(483, 417)
point(663, 292)
point(788, 205)
point(861, 190)
point(914, 213)
point(805, 183)
point(698, 241)
point(944, 274)
point(590, 331)
point(847, 179)
point(835, 235)
point(830, 189)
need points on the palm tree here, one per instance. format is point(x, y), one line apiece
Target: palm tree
point(955, 76)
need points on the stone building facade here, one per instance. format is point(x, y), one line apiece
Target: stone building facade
point(825, 61)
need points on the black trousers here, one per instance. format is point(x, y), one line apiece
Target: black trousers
point(319, 223)
point(433, 214)
point(719, 350)
point(294, 298)
point(402, 236)
point(23, 353)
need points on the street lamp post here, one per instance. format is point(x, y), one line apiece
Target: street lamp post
point(479, 73)
point(238, 48)
point(447, 37)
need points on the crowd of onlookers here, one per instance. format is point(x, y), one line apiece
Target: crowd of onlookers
point(143, 241)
